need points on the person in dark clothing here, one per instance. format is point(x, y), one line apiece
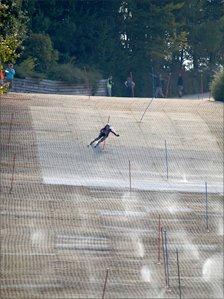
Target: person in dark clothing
point(180, 85)
point(109, 86)
point(159, 87)
point(130, 84)
point(104, 133)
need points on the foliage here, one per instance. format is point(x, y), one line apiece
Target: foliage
point(40, 48)
point(217, 86)
point(66, 72)
point(3, 89)
point(8, 47)
point(71, 74)
point(122, 36)
point(92, 77)
point(13, 31)
point(205, 26)
point(26, 68)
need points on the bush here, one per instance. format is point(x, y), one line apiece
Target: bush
point(3, 89)
point(93, 77)
point(217, 86)
point(68, 73)
point(25, 68)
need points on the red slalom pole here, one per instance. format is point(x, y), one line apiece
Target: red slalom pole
point(159, 240)
point(105, 283)
point(10, 127)
point(13, 171)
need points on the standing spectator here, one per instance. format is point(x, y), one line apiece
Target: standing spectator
point(180, 85)
point(130, 85)
point(110, 83)
point(159, 87)
point(10, 73)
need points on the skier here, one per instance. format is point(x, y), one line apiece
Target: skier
point(104, 133)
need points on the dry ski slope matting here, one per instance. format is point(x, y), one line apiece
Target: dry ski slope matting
point(70, 212)
point(174, 139)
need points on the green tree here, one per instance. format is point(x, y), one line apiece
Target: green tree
point(204, 22)
point(12, 30)
point(40, 48)
point(217, 86)
point(121, 36)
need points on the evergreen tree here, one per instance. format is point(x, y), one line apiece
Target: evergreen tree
point(121, 36)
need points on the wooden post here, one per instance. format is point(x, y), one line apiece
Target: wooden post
point(178, 273)
point(13, 171)
point(130, 176)
point(166, 157)
point(159, 240)
point(105, 283)
point(10, 128)
point(132, 87)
